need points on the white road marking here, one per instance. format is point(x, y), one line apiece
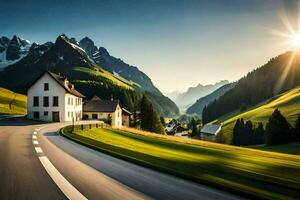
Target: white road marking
point(34, 137)
point(35, 142)
point(38, 150)
point(34, 132)
point(66, 187)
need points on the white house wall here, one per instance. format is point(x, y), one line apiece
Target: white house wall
point(55, 89)
point(72, 110)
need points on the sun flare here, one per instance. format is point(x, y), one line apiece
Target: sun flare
point(295, 40)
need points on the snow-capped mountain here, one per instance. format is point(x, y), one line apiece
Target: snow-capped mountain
point(12, 50)
point(78, 60)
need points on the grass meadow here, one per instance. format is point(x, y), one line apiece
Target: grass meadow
point(18, 103)
point(246, 171)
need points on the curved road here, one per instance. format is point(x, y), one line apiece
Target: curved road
point(37, 163)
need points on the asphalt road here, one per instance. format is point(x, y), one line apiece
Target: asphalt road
point(93, 175)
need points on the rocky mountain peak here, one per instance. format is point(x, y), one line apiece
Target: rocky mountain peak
point(89, 46)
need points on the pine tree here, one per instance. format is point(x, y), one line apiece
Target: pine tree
point(193, 125)
point(259, 134)
point(149, 118)
point(297, 129)
point(236, 131)
point(248, 134)
point(278, 129)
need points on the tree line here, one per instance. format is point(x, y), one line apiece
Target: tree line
point(277, 131)
point(257, 86)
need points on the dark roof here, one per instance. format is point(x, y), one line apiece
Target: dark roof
point(61, 81)
point(211, 129)
point(98, 105)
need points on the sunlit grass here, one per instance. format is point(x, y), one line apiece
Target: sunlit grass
point(18, 105)
point(122, 82)
point(250, 171)
point(288, 104)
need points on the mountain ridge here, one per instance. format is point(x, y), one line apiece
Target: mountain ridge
point(189, 97)
point(198, 106)
point(67, 57)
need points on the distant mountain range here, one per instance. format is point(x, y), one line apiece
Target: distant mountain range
point(12, 50)
point(186, 99)
point(93, 71)
point(197, 107)
point(276, 76)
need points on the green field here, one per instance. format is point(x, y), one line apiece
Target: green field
point(288, 103)
point(18, 103)
point(120, 81)
point(291, 148)
point(241, 170)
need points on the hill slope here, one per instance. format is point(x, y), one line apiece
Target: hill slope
point(197, 107)
point(18, 103)
point(288, 103)
point(278, 75)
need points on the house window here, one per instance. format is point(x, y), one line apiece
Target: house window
point(55, 101)
point(72, 101)
point(35, 101)
point(94, 116)
point(68, 114)
point(46, 101)
point(46, 113)
point(68, 100)
point(36, 115)
point(46, 86)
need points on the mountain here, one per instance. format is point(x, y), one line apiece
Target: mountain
point(173, 95)
point(101, 56)
point(12, 50)
point(276, 76)
point(115, 65)
point(288, 103)
point(65, 56)
point(197, 107)
point(186, 99)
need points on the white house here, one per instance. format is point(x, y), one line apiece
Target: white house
point(99, 109)
point(52, 98)
point(209, 131)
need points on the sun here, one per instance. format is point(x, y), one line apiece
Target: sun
point(295, 40)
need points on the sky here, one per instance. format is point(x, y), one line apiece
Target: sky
point(178, 44)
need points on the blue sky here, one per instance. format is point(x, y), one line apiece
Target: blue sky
point(177, 43)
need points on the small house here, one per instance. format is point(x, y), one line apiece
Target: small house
point(99, 109)
point(209, 132)
point(52, 98)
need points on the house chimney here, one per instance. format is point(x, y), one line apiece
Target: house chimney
point(66, 82)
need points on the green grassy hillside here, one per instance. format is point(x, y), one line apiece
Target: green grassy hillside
point(288, 103)
point(291, 148)
point(250, 172)
point(99, 72)
point(18, 103)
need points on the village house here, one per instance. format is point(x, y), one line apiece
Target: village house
point(209, 132)
point(99, 109)
point(52, 98)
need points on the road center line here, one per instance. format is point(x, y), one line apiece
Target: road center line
point(38, 150)
point(34, 137)
point(66, 187)
point(35, 142)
